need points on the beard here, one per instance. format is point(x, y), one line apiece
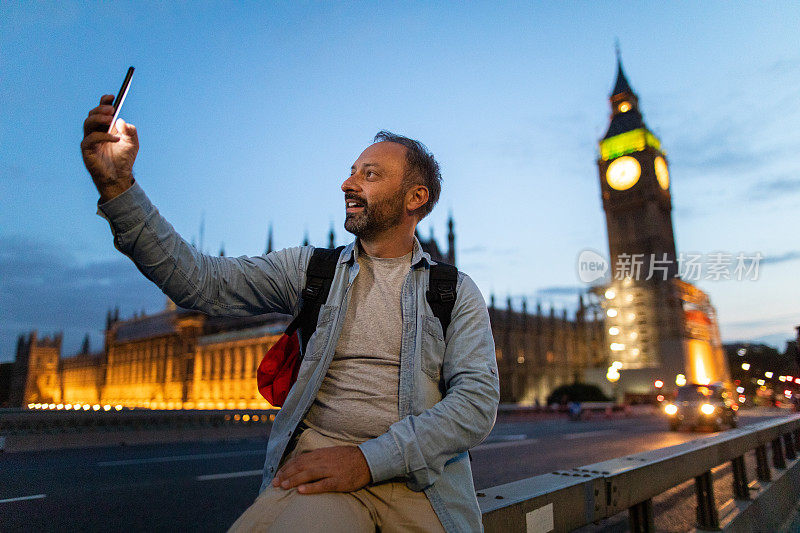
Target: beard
point(376, 217)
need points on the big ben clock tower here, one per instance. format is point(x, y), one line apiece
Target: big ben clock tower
point(634, 179)
point(644, 315)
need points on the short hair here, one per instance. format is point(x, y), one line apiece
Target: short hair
point(421, 168)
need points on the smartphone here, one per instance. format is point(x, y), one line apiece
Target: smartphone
point(123, 92)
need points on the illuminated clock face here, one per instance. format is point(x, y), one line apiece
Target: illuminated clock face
point(662, 174)
point(623, 173)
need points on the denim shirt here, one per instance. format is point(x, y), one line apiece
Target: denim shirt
point(449, 388)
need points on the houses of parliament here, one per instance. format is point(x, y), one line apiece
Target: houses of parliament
point(182, 359)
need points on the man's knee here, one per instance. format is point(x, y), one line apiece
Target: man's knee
point(328, 512)
point(281, 510)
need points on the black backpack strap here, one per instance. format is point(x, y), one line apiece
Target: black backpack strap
point(441, 293)
point(319, 277)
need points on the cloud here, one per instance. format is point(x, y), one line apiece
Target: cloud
point(741, 133)
point(46, 287)
point(776, 340)
point(474, 249)
point(566, 290)
point(760, 322)
point(775, 259)
point(768, 190)
point(721, 149)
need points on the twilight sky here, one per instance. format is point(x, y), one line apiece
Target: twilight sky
point(250, 114)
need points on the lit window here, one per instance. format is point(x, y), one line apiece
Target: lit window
point(614, 330)
point(612, 312)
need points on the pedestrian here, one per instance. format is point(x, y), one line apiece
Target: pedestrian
point(375, 432)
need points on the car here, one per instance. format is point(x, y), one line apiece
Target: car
point(698, 406)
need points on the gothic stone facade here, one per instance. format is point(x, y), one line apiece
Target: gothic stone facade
point(181, 359)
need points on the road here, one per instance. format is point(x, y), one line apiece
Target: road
point(205, 486)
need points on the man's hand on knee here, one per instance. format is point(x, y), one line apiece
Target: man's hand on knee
point(333, 469)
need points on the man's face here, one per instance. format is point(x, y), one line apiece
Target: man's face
point(376, 187)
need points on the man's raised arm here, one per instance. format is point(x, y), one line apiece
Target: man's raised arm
point(215, 285)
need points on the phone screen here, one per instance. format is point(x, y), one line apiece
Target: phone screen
point(123, 92)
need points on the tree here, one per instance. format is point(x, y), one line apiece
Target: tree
point(577, 392)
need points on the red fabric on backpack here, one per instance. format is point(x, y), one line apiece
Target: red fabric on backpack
point(277, 372)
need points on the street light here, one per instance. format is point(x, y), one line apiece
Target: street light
point(745, 366)
point(612, 375)
point(680, 380)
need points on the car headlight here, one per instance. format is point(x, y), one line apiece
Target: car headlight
point(707, 409)
point(670, 409)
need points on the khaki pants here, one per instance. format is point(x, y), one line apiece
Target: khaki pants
point(385, 507)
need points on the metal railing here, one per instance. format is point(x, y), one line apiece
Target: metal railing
point(566, 500)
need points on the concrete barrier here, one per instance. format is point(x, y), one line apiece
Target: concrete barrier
point(28, 430)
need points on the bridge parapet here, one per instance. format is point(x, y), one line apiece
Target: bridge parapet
point(566, 500)
point(27, 422)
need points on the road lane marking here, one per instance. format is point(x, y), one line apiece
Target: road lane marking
point(503, 438)
point(20, 498)
point(587, 434)
point(504, 444)
point(180, 458)
point(227, 475)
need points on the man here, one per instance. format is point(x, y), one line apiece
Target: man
point(375, 432)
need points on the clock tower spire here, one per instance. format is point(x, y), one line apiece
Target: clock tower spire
point(644, 316)
point(634, 180)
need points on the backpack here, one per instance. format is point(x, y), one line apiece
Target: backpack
point(278, 370)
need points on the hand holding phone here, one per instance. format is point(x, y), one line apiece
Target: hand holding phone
point(109, 157)
point(123, 92)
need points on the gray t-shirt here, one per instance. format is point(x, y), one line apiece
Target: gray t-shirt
point(358, 399)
